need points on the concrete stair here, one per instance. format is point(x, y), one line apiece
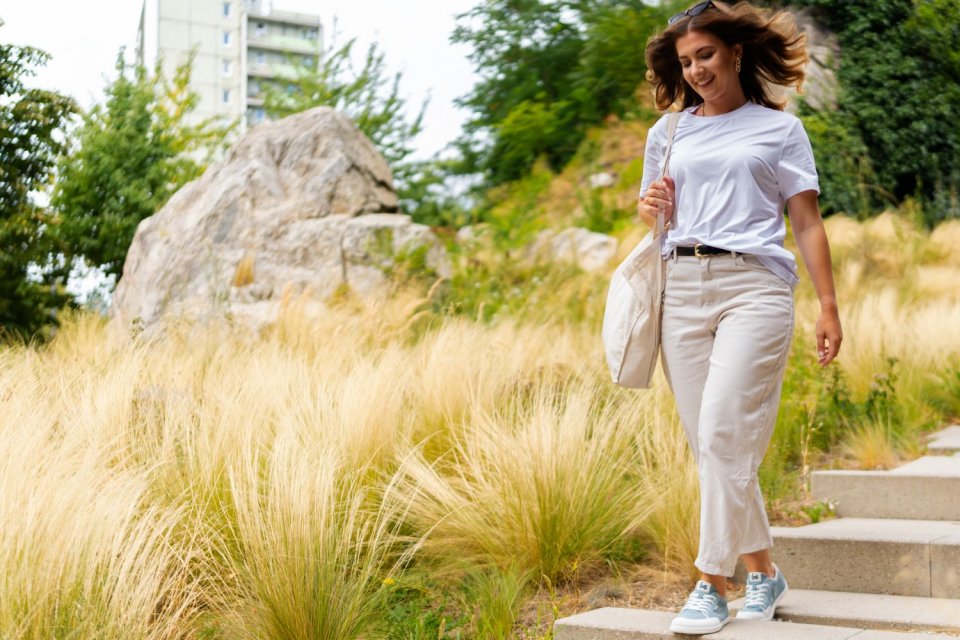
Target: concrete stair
point(612, 623)
point(868, 611)
point(945, 441)
point(872, 555)
point(926, 489)
point(887, 569)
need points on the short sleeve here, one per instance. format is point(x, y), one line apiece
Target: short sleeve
point(653, 153)
point(796, 171)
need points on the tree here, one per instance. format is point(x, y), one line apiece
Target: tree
point(548, 69)
point(328, 79)
point(31, 129)
point(133, 152)
point(899, 91)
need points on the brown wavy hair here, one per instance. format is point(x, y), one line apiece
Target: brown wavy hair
point(774, 53)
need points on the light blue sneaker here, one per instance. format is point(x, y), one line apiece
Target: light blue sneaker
point(763, 595)
point(704, 612)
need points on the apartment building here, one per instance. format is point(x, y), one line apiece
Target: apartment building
point(238, 47)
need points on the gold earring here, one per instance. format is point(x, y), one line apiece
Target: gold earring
point(738, 64)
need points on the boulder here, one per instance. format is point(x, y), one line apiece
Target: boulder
point(602, 180)
point(591, 251)
point(823, 49)
point(305, 204)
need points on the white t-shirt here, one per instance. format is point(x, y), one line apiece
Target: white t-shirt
point(733, 174)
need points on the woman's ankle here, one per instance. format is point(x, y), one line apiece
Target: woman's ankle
point(719, 583)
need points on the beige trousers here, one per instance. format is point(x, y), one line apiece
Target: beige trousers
point(727, 325)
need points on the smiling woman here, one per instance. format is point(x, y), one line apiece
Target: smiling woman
point(737, 158)
point(766, 50)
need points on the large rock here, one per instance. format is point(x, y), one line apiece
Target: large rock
point(591, 251)
point(301, 205)
point(823, 49)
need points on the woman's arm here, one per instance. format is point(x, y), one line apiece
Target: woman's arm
point(811, 238)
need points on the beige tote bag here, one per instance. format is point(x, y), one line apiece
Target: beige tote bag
point(631, 319)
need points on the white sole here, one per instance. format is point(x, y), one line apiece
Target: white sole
point(742, 615)
point(678, 627)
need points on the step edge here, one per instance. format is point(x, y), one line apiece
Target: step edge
point(935, 607)
point(658, 625)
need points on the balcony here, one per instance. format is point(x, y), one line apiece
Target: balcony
point(287, 17)
point(268, 70)
point(283, 44)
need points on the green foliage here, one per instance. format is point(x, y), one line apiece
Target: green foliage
point(418, 609)
point(818, 511)
point(837, 405)
point(934, 24)
point(132, 153)
point(900, 91)
point(480, 603)
point(495, 596)
point(495, 282)
point(426, 194)
point(31, 126)
point(548, 69)
point(598, 215)
point(513, 215)
point(329, 80)
point(944, 392)
point(847, 180)
point(819, 413)
point(495, 288)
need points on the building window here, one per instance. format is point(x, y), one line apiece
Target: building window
point(227, 67)
point(226, 96)
point(259, 115)
point(227, 39)
point(261, 57)
point(261, 29)
point(226, 9)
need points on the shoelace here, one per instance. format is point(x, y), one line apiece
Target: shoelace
point(704, 603)
point(757, 595)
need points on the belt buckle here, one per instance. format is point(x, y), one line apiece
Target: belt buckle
point(696, 251)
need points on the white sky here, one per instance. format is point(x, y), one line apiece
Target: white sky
point(83, 37)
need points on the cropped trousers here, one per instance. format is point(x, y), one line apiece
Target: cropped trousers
point(727, 326)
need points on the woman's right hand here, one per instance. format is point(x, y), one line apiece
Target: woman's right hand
point(659, 197)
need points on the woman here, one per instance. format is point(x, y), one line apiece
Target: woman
point(737, 159)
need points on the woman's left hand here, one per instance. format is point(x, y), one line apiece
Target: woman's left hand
point(811, 239)
point(829, 335)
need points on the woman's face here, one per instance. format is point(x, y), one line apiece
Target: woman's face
point(708, 64)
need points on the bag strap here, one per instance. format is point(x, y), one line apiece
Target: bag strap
point(658, 238)
point(665, 168)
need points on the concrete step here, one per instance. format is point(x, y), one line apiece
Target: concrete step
point(926, 489)
point(930, 466)
point(872, 555)
point(868, 611)
point(610, 623)
point(945, 441)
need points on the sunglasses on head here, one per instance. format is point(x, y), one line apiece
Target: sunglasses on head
point(693, 11)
